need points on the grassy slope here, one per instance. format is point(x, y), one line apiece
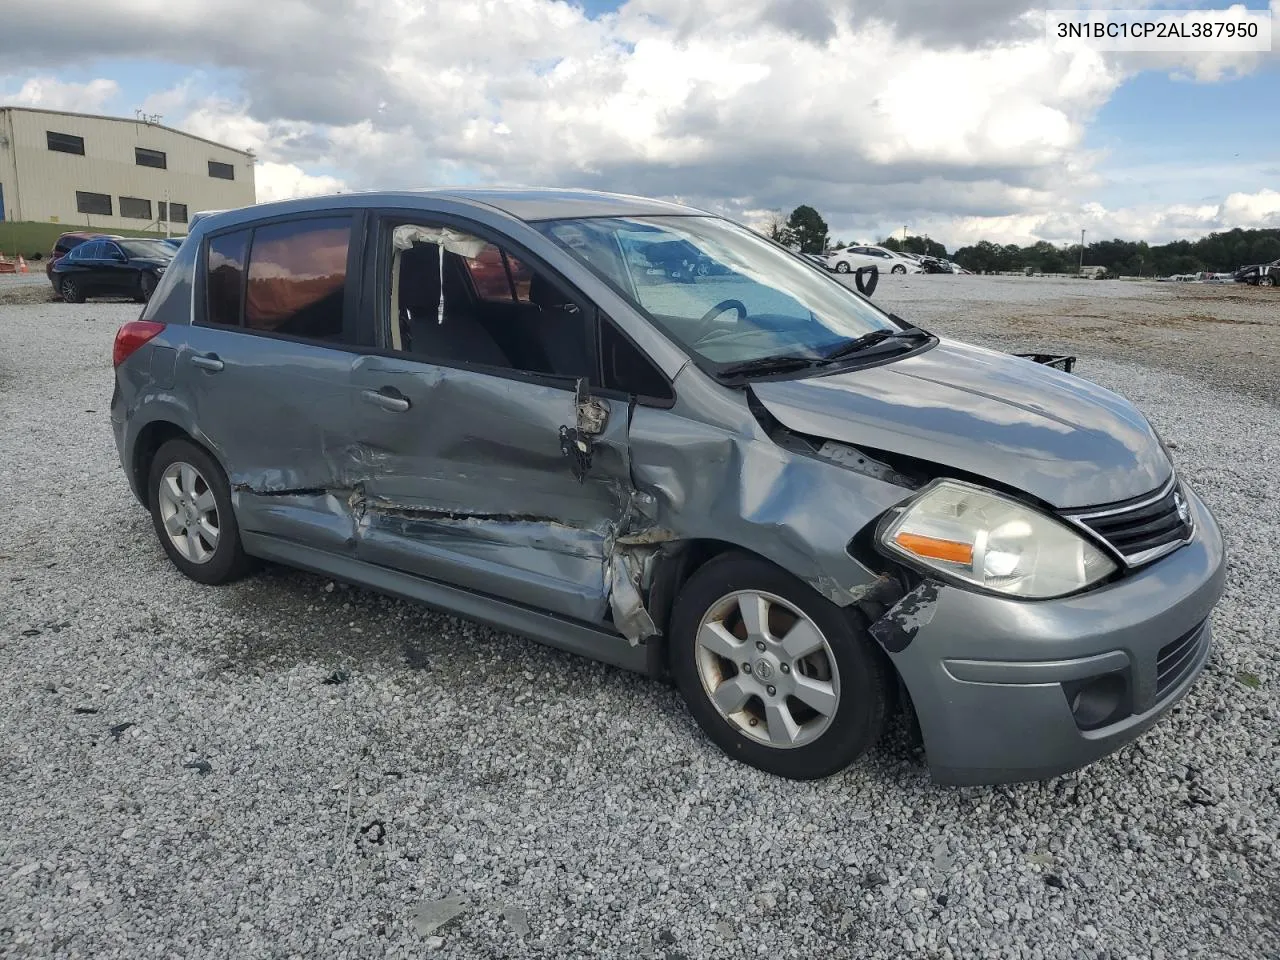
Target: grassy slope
point(29, 238)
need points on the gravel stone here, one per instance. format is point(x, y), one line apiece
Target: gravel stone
point(505, 774)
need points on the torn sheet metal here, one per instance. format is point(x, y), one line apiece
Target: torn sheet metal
point(720, 477)
point(626, 599)
point(900, 624)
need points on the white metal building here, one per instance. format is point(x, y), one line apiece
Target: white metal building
point(109, 172)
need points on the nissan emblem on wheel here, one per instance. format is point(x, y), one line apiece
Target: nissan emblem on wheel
point(645, 434)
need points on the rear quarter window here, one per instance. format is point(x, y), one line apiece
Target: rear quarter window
point(224, 278)
point(171, 302)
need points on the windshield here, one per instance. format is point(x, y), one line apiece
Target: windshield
point(151, 249)
point(724, 293)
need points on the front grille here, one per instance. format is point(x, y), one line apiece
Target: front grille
point(1177, 659)
point(1145, 529)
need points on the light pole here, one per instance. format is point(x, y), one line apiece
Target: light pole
point(1082, 253)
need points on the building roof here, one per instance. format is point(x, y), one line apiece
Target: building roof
point(133, 120)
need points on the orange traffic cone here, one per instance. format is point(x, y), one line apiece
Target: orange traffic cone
point(22, 265)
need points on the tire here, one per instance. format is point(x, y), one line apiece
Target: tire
point(1267, 281)
point(71, 290)
point(845, 673)
point(898, 268)
point(146, 286)
point(203, 557)
point(842, 266)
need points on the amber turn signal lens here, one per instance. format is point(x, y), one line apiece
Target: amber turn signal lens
point(952, 551)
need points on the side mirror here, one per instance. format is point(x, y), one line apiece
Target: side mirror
point(120, 257)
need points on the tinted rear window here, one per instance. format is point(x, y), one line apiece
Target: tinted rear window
point(297, 278)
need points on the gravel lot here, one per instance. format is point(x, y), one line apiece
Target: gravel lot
point(287, 768)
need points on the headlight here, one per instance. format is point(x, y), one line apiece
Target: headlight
point(991, 541)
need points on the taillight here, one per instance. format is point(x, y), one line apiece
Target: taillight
point(130, 337)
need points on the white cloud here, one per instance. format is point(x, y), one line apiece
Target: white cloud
point(958, 115)
point(49, 93)
point(284, 181)
point(1063, 223)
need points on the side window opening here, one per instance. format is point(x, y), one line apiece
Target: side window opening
point(476, 303)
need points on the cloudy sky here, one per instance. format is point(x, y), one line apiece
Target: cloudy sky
point(955, 119)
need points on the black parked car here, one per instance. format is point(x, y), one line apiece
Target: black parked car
point(1260, 274)
point(120, 267)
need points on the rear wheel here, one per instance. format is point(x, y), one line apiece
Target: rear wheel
point(192, 514)
point(71, 290)
point(776, 675)
point(1268, 281)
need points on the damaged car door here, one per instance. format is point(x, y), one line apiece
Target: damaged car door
point(267, 372)
point(486, 461)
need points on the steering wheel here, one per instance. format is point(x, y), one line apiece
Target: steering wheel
point(704, 325)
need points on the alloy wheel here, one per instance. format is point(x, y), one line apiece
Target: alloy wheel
point(767, 669)
point(189, 512)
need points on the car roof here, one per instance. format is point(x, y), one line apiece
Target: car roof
point(88, 236)
point(523, 203)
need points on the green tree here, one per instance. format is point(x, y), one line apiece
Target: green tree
point(808, 229)
point(1264, 250)
point(923, 246)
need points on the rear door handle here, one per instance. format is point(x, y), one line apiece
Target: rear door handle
point(210, 362)
point(387, 401)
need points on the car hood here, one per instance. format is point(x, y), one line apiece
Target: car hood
point(1053, 435)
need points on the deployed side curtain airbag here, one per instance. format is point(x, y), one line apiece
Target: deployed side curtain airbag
point(445, 238)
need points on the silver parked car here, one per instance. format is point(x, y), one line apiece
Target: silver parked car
point(804, 510)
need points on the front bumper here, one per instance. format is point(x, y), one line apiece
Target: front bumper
point(991, 678)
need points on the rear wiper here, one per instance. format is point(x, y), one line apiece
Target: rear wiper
point(868, 340)
point(784, 363)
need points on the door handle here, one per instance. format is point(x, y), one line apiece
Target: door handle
point(386, 401)
point(210, 362)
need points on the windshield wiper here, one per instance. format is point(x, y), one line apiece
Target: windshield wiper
point(868, 340)
point(784, 363)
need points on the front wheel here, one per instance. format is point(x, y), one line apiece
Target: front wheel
point(842, 267)
point(775, 674)
point(192, 514)
point(899, 268)
point(71, 290)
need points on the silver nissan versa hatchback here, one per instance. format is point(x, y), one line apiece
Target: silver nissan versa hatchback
point(749, 478)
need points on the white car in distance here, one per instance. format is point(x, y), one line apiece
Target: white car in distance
point(851, 258)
